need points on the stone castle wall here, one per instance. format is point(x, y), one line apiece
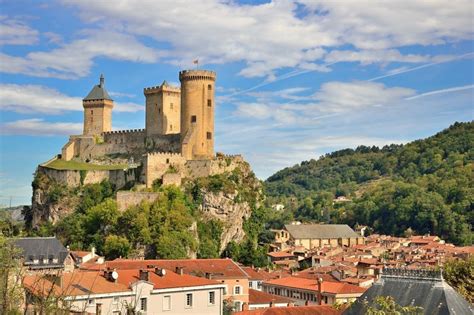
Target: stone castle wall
point(158, 164)
point(127, 199)
point(72, 178)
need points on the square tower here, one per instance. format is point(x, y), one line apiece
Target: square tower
point(97, 110)
point(163, 112)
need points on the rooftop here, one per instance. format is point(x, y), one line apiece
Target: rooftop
point(98, 92)
point(317, 231)
point(259, 297)
point(312, 285)
point(295, 310)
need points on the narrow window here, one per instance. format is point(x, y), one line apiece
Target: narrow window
point(167, 303)
point(167, 161)
point(143, 304)
point(193, 119)
point(209, 87)
point(237, 290)
point(209, 103)
point(212, 297)
point(171, 106)
point(98, 309)
point(171, 127)
point(189, 300)
point(209, 135)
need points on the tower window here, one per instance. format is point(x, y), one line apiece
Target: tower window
point(209, 103)
point(171, 127)
point(209, 135)
point(171, 106)
point(193, 119)
point(209, 87)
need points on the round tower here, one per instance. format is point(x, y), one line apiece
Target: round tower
point(197, 114)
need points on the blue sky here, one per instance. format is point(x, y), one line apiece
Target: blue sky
point(295, 79)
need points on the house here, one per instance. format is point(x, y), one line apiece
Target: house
point(81, 257)
point(422, 288)
point(224, 271)
point(44, 254)
point(259, 299)
point(319, 235)
point(119, 291)
point(313, 291)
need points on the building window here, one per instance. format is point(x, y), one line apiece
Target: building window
point(171, 127)
point(116, 300)
point(143, 304)
point(193, 119)
point(237, 290)
point(212, 298)
point(167, 303)
point(209, 87)
point(209, 103)
point(98, 309)
point(209, 135)
point(189, 300)
point(171, 105)
point(90, 301)
point(167, 161)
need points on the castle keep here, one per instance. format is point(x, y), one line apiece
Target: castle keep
point(177, 142)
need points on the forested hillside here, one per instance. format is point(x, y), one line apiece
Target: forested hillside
point(426, 186)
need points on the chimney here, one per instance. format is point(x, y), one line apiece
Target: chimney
point(143, 275)
point(160, 271)
point(272, 304)
point(93, 251)
point(320, 296)
point(179, 270)
point(208, 275)
point(306, 302)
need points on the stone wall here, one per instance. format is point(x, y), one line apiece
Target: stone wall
point(72, 178)
point(221, 164)
point(157, 164)
point(126, 199)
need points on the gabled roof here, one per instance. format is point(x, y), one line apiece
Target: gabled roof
point(312, 285)
point(316, 231)
point(98, 92)
point(40, 248)
point(259, 297)
point(426, 289)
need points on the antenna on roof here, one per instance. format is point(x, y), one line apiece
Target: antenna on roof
point(101, 84)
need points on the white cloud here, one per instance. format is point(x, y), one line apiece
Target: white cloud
point(53, 38)
point(16, 32)
point(343, 96)
point(40, 99)
point(442, 91)
point(75, 59)
point(39, 127)
point(284, 34)
point(366, 57)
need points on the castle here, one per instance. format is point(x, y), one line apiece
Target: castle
point(177, 142)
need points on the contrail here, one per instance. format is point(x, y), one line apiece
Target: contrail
point(454, 89)
point(420, 67)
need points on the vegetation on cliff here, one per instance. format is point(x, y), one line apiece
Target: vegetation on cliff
point(426, 186)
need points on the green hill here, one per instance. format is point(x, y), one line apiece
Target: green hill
point(426, 186)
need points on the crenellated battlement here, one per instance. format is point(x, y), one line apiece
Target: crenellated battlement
point(115, 132)
point(187, 75)
point(161, 88)
point(163, 154)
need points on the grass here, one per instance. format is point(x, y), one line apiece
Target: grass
point(81, 166)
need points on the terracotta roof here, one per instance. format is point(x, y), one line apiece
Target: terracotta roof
point(311, 284)
point(79, 253)
point(259, 297)
point(259, 274)
point(295, 310)
point(219, 268)
point(75, 283)
point(280, 254)
point(169, 280)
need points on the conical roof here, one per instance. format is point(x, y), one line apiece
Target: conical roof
point(98, 92)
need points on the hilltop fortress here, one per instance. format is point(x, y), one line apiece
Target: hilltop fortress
point(177, 142)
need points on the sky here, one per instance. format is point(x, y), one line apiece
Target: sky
point(295, 79)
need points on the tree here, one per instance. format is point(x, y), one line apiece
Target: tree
point(115, 247)
point(460, 275)
point(10, 278)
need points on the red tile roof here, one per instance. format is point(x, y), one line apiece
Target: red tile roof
point(259, 297)
point(295, 310)
point(311, 284)
point(280, 254)
point(219, 268)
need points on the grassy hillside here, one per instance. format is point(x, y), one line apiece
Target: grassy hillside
point(426, 186)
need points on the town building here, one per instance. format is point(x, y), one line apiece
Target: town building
point(44, 255)
point(318, 235)
point(313, 291)
point(143, 291)
point(225, 271)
